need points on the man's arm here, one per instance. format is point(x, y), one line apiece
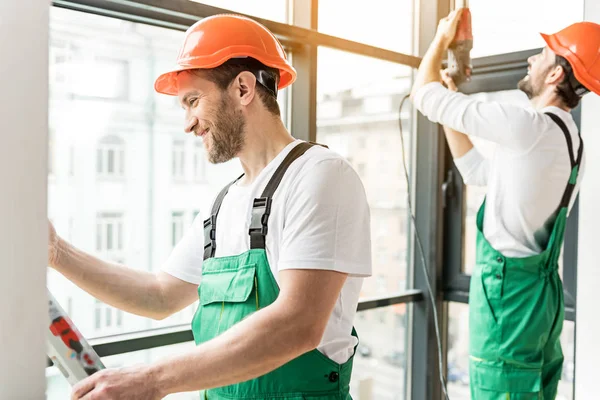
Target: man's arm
point(458, 142)
point(473, 167)
point(139, 292)
point(509, 125)
point(291, 326)
point(429, 69)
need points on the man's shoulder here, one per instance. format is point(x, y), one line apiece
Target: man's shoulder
point(324, 172)
point(324, 160)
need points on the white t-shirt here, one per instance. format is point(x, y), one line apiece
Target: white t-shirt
point(528, 174)
point(320, 219)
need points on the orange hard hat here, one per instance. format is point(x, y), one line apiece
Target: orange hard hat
point(579, 44)
point(215, 40)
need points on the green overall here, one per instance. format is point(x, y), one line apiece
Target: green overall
point(233, 288)
point(517, 312)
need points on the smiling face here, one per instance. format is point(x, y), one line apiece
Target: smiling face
point(540, 65)
point(213, 115)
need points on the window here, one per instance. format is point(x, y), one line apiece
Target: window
point(71, 161)
point(109, 235)
point(359, 126)
point(380, 363)
point(107, 317)
point(178, 159)
point(110, 76)
point(353, 109)
point(177, 227)
point(110, 158)
point(458, 355)
point(489, 18)
point(361, 168)
point(130, 224)
point(199, 162)
point(362, 142)
point(194, 215)
point(366, 23)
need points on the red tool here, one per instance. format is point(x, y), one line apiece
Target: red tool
point(67, 348)
point(459, 53)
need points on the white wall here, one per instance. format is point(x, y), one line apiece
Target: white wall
point(588, 274)
point(23, 176)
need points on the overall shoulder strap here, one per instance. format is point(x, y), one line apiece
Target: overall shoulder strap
point(575, 161)
point(210, 224)
point(261, 208)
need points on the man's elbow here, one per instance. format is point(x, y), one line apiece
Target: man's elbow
point(305, 334)
point(313, 336)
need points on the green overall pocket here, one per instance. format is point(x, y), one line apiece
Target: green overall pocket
point(227, 296)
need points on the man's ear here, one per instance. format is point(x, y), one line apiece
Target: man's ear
point(556, 75)
point(245, 87)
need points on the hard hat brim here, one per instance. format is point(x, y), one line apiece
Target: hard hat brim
point(167, 84)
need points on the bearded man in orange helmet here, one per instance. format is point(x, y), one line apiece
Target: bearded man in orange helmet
point(278, 264)
point(516, 295)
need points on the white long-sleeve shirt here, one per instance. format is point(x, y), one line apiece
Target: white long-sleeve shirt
point(528, 174)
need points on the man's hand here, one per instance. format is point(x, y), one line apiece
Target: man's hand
point(132, 383)
point(53, 244)
point(448, 81)
point(429, 70)
point(446, 30)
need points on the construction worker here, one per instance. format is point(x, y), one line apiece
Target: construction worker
point(516, 295)
point(279, 263)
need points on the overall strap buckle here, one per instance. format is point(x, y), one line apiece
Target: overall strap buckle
point(261, 209)
point(210, 237)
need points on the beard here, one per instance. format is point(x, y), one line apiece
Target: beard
point(226, 136)
point(532, 85)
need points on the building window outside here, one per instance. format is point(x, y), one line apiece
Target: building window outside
point(177, 227)
point(109, 235)
point(178, 166)
point(110, 157)
point(107, 317)
point(199, 162)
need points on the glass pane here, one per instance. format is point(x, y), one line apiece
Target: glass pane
point(142, 202)
point(380, 364)
point(369, 138)
point(122, 162)
point(275, 10)
point(109, 237)
point(492, 18)
point(98, 319)
point(99, 154)
point(98, 236)
point(458, 355)
point(382, 23)
point(474, 195)
point(111, 161)
point(120, 235)
point(71, 161)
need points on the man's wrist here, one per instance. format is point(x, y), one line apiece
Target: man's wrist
point(440, 43)
point(155, 374)
point(60, 253)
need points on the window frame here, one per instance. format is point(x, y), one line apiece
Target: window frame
point(303, 40)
